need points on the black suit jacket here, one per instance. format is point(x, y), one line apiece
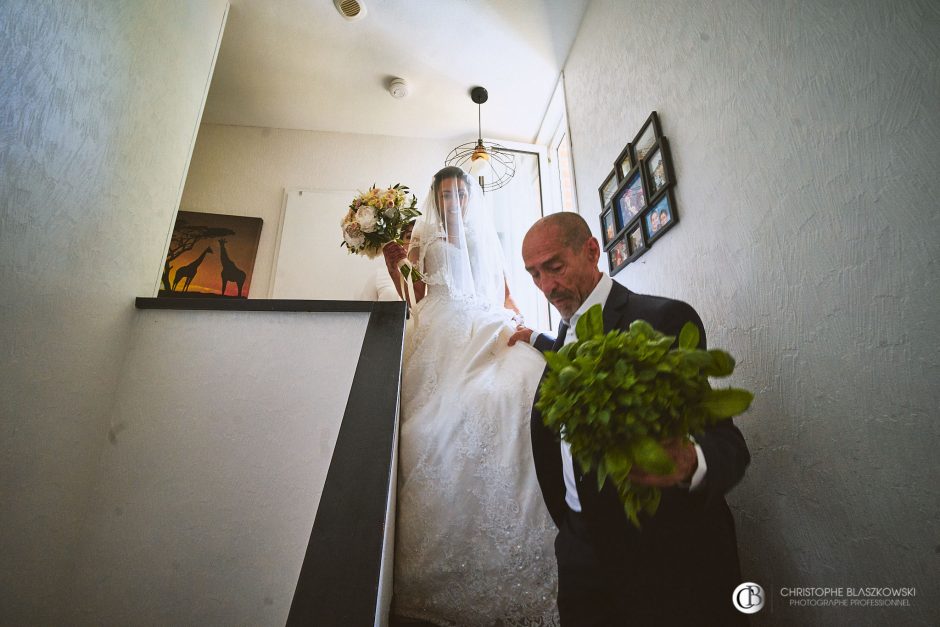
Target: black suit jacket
point(684, 558)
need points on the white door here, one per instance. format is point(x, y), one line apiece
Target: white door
point(310, 264)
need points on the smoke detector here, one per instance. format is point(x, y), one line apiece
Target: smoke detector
point(398, 88)
point(351, 10)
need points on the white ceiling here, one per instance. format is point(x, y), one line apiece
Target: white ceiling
point(298, 64)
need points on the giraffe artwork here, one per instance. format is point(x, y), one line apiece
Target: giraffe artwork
point(188, 271)
point(194, 267)
point(230, 272)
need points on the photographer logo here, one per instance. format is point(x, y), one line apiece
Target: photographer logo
point(748, 598)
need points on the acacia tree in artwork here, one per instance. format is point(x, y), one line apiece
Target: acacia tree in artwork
point(185, 236)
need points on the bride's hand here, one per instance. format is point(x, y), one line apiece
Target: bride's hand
point(522, 334)
point(394, 253)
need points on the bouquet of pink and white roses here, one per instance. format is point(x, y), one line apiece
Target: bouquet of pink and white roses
point(377, 217)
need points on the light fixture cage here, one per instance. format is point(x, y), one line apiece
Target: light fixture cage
point(502, 162)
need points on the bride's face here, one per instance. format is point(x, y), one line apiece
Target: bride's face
point(453, 195)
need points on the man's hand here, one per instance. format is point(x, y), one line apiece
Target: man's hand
point(522, 334)
point(682, 452)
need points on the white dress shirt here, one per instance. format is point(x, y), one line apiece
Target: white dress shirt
point(379, 286)
point(599, 297)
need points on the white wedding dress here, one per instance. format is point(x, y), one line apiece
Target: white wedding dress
point(474, 540)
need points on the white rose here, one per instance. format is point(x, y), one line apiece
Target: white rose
point(353, 236)
point(366, 219)
point(392, 213)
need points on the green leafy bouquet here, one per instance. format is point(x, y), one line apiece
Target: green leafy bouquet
point(615, 396)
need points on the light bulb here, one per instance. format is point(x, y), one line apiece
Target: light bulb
point(480, 165)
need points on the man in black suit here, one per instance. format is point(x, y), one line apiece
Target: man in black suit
point(681, 566)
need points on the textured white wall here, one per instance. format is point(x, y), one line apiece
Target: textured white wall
point(99, 105)
point(222, 431)
point(244, 171)
point(804, 136)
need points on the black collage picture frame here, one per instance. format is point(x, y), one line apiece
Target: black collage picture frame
point(658, 167)
point(637, 201)
point(607, 188)
point(660, 217)
point(630, 198)
point(625, 162)
point(608, 225)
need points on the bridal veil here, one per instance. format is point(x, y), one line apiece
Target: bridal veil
point(455, 213)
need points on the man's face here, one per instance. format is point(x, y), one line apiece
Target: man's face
point(565, 276)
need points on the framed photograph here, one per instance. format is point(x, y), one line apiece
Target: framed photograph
point(608, 226)
point(210, 255)
point(630, 199)
point(608, 188)
point(649, 134)
point(636, 241)
point(660, 217)
point(625, 162)
point(618, 255)
point(658, 168)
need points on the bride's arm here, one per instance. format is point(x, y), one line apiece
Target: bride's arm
point(522, 332)
point(509, 303)
point(394, 253)
point(420, 287)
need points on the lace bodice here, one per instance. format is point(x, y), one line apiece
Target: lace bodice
point(440, 258)
point(463, 269)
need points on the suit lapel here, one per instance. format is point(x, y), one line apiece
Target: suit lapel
point(560, 338)
point(616, 307)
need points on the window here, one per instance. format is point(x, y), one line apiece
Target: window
point(559, 155)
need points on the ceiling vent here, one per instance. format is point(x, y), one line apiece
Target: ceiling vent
point(352, 10)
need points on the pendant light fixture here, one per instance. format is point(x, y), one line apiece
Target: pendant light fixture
point(492, 164)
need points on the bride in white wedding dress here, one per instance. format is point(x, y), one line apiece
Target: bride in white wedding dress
point(474, 540)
